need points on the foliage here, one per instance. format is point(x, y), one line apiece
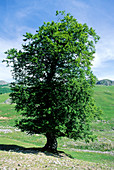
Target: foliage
point(53, 79)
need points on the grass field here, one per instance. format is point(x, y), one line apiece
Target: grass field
point(93, 155)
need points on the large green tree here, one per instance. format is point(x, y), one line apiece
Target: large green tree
point(53, 80)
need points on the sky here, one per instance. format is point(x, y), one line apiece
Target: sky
point(21, 16)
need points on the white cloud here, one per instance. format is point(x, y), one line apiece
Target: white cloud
point(104, 52)
point(16, 42)
point(106, 76)
point(5, 74)
point(6, 44)
point(79, 4)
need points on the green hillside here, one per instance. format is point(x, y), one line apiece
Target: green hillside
point(99, 152)
point(4, 88)
point(104, 96)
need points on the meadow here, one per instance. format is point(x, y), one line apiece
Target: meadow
point(18, 149)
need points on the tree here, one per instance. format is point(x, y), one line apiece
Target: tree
point(53, 80)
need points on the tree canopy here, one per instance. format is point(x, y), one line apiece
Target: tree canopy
point(53, 80)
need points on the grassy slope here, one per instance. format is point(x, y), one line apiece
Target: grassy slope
point(3, 97)
point(104, 97)
point(4, 89)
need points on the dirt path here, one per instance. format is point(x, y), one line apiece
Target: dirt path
point(4, 118)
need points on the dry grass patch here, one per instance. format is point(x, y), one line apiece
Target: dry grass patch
point(44, 160)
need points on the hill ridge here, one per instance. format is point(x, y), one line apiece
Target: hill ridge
point(105, 82)
point(2, 82)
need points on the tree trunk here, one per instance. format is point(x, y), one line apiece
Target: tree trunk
point(51, 144)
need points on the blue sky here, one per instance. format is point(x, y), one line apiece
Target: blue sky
point(21, 16)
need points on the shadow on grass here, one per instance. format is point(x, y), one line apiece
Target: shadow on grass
point(21, 149)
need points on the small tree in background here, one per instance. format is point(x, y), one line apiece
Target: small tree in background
point(53, 80)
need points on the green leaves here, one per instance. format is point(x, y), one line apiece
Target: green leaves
point(60, 12)
point(28, 36)
point(53, 78)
